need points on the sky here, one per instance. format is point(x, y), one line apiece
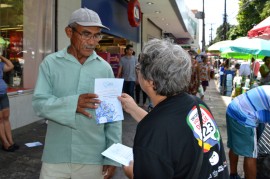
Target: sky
point(214, 14)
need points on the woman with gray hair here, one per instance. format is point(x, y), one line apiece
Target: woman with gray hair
point(168, 142)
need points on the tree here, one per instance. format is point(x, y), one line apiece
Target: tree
point(234, 33)
point(220, 32)
point(266, 10)
point(251, 12)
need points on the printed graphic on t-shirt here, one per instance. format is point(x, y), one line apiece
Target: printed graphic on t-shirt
point(210, 132)
point(214, 158)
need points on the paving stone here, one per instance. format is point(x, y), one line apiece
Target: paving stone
point(25, 163)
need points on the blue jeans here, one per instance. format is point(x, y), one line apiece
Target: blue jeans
point(129, 88)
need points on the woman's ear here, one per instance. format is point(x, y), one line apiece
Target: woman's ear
point(69, 31)
point(151, 84)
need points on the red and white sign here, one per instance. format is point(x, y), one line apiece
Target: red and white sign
point(134, 13)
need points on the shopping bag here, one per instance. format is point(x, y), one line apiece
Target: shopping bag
point(263, 159)
point(264, 141)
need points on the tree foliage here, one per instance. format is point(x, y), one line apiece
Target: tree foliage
point(234, 33)
point(266, 10)
point(220, 32)
point(251, 12)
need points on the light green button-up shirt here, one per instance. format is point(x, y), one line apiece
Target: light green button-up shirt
point(71, 137)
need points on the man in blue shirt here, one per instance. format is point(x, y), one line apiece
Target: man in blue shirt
point(127, 70)
point(243, 115)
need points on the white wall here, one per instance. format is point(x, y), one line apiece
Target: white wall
point(65, 8)
point(38, 37)
point(21, 111)
point(38, 41)
point(150, 31)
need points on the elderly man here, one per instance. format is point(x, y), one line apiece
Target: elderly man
point(243, 115)
point(168, 141)
point(64, 95)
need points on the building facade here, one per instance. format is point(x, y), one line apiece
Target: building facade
point(32, 29)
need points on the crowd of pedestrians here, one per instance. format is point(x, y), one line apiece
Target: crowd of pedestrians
point(246, 115)
point(178, 138)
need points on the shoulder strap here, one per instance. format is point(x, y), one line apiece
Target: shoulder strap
point(199, 163)
point(264, 141)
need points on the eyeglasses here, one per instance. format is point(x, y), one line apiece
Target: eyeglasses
point(88, 35)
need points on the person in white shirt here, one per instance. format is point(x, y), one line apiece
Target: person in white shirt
point(245, 69)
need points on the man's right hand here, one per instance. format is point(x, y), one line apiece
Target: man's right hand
point(85, 101)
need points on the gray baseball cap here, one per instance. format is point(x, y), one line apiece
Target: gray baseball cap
point(86, 17)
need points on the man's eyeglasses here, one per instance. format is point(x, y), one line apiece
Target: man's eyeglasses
point(88, 35)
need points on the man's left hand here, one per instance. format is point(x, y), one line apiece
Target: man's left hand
point(108, 171)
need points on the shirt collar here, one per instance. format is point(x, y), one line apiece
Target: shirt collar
point(64, 54)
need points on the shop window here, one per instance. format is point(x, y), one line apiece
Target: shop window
point(26, 36)
point(11, 35)
point(111, 49)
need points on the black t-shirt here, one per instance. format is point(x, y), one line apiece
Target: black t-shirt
point(167, 142)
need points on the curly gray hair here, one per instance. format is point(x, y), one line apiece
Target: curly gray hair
point(167, 65)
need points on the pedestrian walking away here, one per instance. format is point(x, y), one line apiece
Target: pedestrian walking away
point(204, 74)
point(195, 77)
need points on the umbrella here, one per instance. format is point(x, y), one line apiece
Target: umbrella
point(262, 30)
point(254, 46)
point(216, 46)
point(228, 53)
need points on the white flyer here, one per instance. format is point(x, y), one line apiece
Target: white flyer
point(119, 153)
point(110, 108)
point(33, 144)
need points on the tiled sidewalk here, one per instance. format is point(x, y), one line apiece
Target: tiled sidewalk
point(25, 163)
point(218, 105)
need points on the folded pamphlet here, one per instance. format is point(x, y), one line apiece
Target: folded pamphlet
point(119, 153)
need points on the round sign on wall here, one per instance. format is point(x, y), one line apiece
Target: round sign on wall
point(134, 13)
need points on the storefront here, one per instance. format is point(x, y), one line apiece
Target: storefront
point(125, 28)
point(32, 29)
point(114, 14)
point(26, 36)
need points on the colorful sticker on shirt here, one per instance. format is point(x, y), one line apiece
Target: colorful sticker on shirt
point(213, 160)
point(211, 135)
